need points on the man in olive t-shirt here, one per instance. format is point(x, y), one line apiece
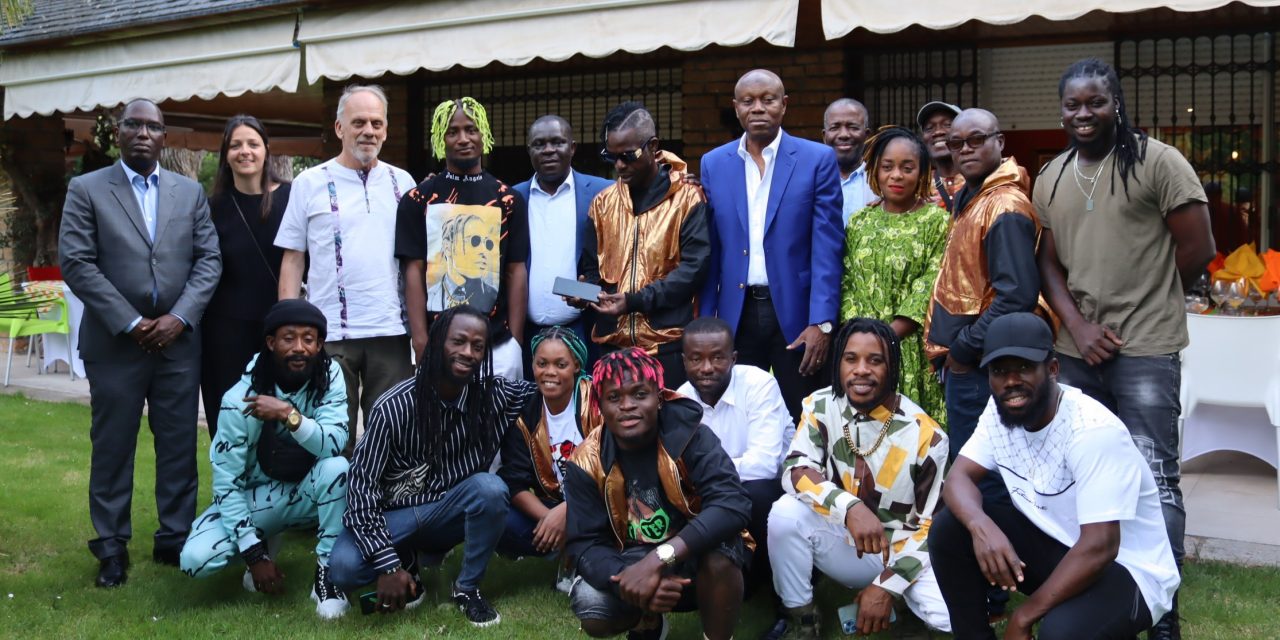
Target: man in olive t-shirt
point(1125, 226)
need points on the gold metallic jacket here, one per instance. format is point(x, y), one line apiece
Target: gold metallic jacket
point(659, 257)
point(537, 438)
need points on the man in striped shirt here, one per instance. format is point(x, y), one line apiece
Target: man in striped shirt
point(419, 479)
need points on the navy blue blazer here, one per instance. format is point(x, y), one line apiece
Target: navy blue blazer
point(803, 238)
point(585, 189)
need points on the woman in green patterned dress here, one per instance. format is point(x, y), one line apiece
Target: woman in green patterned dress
point(892, 251)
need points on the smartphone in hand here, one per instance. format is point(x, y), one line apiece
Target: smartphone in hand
point(849, 618)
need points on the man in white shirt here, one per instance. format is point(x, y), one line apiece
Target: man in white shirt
point(845, 126)
point(342, 214)
point(1086, 540)
point(559, 198)
point(743, 406)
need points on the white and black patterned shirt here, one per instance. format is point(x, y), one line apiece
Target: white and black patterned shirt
point(390, 468)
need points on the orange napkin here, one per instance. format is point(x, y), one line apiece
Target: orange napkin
point(1218, 261)
point(1242, 264)
point(1270, 280)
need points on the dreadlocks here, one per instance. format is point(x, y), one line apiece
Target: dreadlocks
point(444, 113)
point(573, 343)
point(262, 377)
point(1130, 142)
point(435, 367)
point(888, 339)
point(615, 367)
point(876, 147)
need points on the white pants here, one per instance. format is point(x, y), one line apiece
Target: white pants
point(800, 539)
point(508, 361)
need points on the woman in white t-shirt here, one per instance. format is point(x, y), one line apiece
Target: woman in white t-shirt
point(543, 439)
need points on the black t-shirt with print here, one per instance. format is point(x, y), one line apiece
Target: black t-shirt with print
point(468, 229)
point(651, 519)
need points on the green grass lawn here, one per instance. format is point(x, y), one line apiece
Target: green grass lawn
point(46, 571)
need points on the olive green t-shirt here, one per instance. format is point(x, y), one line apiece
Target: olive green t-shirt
point(1119, 257)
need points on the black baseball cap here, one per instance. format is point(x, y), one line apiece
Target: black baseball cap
point(1021, 335)
point(933, 107)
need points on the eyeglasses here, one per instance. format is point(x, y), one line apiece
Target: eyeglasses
point(554, 143)
point(974, 141)
point(627, 157)
point(476, 240)
point(131, 125)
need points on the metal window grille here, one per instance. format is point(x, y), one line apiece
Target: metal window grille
point(894, 84)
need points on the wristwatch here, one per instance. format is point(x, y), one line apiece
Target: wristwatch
point(825, 328)
point(294, 420)
point(666, 553)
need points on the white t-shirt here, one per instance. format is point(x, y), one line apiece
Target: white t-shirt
point(751, 422)
point(1083, 468)
point(564, 436)
point(553, 224)
point(347, 226)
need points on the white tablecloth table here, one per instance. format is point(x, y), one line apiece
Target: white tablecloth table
point(1231, 387)
point(64, 348)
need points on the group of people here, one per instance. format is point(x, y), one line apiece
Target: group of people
point(789, 351)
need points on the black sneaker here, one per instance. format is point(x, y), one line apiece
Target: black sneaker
point(476, 608)
point(331, 602)
point(419, 590)
point(658, 632)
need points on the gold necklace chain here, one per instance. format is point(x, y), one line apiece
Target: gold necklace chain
point(884, 430)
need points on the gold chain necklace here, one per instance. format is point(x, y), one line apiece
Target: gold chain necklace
point(884, 430)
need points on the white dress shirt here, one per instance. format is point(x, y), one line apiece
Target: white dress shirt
point(553, 223)
point(857, 193)
point(758, 205)
point(751, 421)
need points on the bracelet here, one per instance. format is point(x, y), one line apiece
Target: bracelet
point(256, 553)
point(392, 570)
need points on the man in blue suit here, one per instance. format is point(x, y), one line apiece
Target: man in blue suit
point(777, 241)
point(559, 199)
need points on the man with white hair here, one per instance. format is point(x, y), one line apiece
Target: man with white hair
point(342, 215)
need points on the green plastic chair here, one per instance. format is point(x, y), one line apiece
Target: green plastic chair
point(19, 317)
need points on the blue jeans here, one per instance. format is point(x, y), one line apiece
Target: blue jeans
point(966, 395)
point(472, 513)
point(1143, 392)
point(517, 537)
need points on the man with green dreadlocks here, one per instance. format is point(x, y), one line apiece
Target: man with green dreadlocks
point(462, 237)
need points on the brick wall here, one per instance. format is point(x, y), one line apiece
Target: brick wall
point(813, 79)
point(395, 149)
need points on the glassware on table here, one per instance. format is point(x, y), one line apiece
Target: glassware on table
point(1218, 293)
point(1197, 303)
point(1237, 293)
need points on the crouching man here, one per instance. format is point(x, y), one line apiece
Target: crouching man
point(656, 510)
point(863, 480)
point(277, 460)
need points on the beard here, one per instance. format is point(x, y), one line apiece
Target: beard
point(465, 164)
point(290, 380)
point(1030, 414)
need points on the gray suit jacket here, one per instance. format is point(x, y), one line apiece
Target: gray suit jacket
point(110, 263)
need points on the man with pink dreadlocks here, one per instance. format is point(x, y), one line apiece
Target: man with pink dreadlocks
point(656, 510)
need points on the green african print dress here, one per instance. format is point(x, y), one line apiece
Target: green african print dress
point(891, 261)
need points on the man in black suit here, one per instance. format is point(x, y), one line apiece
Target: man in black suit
point(138, 247)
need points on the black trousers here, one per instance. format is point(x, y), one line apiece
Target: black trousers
point(763, 494)
point(760, 343)
point(1112, 607)
point(228, 343)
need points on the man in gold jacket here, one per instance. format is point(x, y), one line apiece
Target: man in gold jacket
point(651, 248)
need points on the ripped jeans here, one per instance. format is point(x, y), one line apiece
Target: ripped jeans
point(1143, 392)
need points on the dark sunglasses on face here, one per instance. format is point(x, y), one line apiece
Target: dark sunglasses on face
point(974, 141)
point(130, 124)
point(476, 240)
point(627, 157)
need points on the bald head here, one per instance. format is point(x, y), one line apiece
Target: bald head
point(760, 77)
point(760, 101)
point(977, 132)
point(845, 129)
point(843, 105)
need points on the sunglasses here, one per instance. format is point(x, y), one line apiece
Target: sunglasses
point(627, 157)
point(476, 240)
point(131, 125)
point(974, 141)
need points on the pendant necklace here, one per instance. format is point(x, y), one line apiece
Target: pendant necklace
point(1093, 180)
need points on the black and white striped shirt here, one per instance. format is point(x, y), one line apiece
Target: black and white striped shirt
point(390, 469)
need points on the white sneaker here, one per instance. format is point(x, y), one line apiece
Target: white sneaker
point(273, 551)
point(330, 601)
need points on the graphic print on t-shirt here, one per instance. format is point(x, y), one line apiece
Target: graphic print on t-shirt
point(560, 454)
point(463, 256)
point(647, 520)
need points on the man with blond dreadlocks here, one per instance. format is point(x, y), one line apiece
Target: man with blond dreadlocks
point(462, 237)
point(656, 510)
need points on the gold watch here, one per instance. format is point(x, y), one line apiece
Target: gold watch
point(294, 420)
point(666, 553)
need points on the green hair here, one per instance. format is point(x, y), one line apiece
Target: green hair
point(576, 348)
point(444, 113)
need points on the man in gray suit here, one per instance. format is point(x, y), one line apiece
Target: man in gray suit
point(137, 245)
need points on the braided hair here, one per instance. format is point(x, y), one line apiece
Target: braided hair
point(888, 339)
point(262, 377)
point(576, 348)
point(1130, 143)
point(444, 113)
point(615, 367)
point(477, 431)
point(626, 116)
point(876, 147)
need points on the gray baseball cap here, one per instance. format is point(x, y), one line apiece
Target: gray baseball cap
point(933, 107)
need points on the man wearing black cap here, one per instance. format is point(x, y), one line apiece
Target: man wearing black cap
point(277, 460)
point(935, 119)
point(1085, 536)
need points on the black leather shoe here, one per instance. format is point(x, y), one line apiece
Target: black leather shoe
point(113, 571)
point(166, 556)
